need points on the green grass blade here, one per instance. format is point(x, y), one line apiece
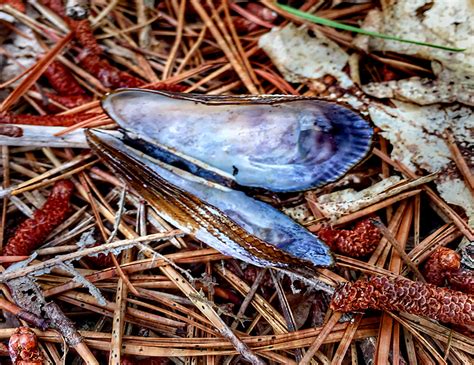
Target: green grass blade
point(333, 24)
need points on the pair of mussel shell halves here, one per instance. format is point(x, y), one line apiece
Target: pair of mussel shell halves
point(190, 156)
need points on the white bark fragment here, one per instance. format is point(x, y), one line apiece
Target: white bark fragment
point(444, 22)
point(39, 136)
point(301, 57)
point(416, 134)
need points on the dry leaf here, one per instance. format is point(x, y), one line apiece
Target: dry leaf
point(423, 91)
point(416, 135)
point(445, 22)
point(24, 50)
point(301, 57)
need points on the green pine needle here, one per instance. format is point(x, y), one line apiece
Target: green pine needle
point(333, 24)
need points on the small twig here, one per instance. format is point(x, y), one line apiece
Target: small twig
point(29, 317)
point(118, 215)
point(440, 203)
point(249, 296)
point(212, 315)
point(172, 57)
point(327, 328)
point(71, 335)
point(48, 264)
point(37, 182)
point(392, 240)
point(83, 281)
point(285, 306)
point(460, 161)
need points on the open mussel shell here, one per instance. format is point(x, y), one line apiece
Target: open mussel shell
point(225, 219)
point(279, 143)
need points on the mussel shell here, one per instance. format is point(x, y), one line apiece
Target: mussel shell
point(279, 143)
point(228, 220)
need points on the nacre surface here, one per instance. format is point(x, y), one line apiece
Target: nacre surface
point(278, 143)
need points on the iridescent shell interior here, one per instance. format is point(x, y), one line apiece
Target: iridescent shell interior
point(279, 143)
point(213, 213)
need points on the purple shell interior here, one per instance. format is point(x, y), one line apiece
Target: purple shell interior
point(277, 143)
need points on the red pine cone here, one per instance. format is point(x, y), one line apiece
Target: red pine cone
point(31, 233)
point(69, 101)
point(23, 347)
point(360, 241)
point(441, 262)
point(462, 280)
point(84, 35)
point(62, 80)
point(91, 57)
point(107, 74)
point(445, 264)
point(408, 296)
point(45, 120)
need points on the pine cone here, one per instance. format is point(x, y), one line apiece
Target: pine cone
point(32, 232)
point(360, 241)
point(23, 347)
point(441, 262)
point(404, 295)
point(462, 280)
